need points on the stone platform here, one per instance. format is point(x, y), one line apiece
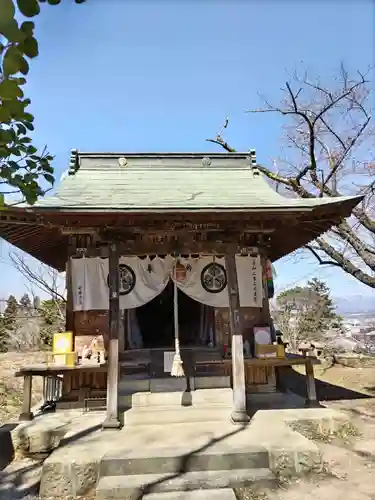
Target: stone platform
point(200, 454)
point(172, 443)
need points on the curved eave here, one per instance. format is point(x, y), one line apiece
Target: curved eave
point(323, 218)
point(46, 243)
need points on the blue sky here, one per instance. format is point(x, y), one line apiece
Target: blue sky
point(127, 75)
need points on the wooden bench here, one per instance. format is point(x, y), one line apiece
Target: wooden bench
point(288, 360)
point(85, 390)
point(28, 372)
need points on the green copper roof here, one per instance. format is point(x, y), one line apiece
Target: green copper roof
point(169, 181)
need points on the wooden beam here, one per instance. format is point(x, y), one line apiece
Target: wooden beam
point(164, 248)
point(239, 413)
point(112, 421)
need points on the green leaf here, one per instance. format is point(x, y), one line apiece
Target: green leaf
point(4, 153)
point(28, 27)
point(29, 8)
point(31, 150)
point(30, 47)
point(5, 115)
point(49, 178)
point(48, 168)
point(7, 11)
point(28, 117)
point(29, 125)
point(13, 165)
point(54, 2)
point(6, 136)
point(15, 151)
point(2, 201)
point(12, 32)
point(20, 81)
point(24, 69)
point(15, 109)
point(12, 62)
point(10, 90)
point(21, 129)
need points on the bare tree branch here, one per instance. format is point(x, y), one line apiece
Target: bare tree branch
point(44, 278)
point(328, 125)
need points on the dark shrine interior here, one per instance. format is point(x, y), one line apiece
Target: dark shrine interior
point(156, 320)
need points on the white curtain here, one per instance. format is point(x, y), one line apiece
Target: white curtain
point(206, 281)
point(141, 280)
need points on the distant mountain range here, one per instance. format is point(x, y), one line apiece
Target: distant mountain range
point(355, 304)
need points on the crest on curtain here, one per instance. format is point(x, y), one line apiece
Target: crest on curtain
point(127, 279)
point(214, 278)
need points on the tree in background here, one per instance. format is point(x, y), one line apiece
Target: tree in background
point(22, 167)
point(10, 312)
point(329, 141)
point(25, 301)
point(306, 313)
point(7, 322)
point(53, 313)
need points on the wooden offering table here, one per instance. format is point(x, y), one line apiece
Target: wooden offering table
point(267, 366)
point(88, 378)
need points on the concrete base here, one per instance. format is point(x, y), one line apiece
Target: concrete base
point(26, 417)
point(111, 423)
point(239, 418)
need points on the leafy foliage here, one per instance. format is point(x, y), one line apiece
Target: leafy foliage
point(25, 328)
point(10, 313)
point(7, 322)
point(306, 313)
point(51, 311)
point(21, 166)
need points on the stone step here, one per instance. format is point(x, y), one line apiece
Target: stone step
point(222, 494)
point(197, 397)
point(171, 461)
point(133, 486)
point(160, 415)
point(142, 383)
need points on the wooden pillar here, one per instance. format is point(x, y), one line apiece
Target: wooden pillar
point(112, 421)
point(122, 339)
point(310, 384)
point(239, 413)
point(69, 314)
point(26, 414)
point(266, 316)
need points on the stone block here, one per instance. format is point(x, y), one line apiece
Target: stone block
point(57, 480)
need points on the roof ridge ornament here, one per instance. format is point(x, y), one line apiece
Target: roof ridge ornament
point(253, 162)
point(74, 162)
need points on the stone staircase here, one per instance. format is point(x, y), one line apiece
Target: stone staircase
point(201, 405)
point(164, 472)
point(171, 473)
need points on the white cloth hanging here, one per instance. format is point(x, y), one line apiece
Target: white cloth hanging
point(141, 280)
point(206, 281)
